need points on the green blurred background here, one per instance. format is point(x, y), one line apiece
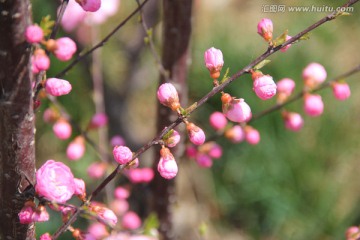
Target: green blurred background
point(298, 186)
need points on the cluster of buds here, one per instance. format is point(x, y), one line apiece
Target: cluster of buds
point(205, 153)
point(237, 134)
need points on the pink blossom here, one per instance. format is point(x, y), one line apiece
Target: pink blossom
point(62, 129)
point(98, 120)
point(313, 105)
point(122, 154)
point(55, 181)
point(50, 115)
point(215, 151)
point(352, 233)
point(34, 34)
point(265, 29)
point(119, 206)
point(236, 110)
point(121, 193)
point(264, 87)
point(341, 90)
point(26, 213)
point(80, 187)
point(252, 136)
point(285, 86)
point(57, 87)
point(293, 121)
point(314, 74)
point(65, 49)
point(73, 16)
point(173, 139)
point(284, 49)
point(34, 69)
point(168, 96)
point(204, 160)
point(96, 170)
point(76, 149)
point(196, 134)
point(40, 60)
point(105, 214)
point(98, 230)
point(147, 174)
point(135, 175)
point(191, 151)
point(41, 215)
point(218, 121)
point(117, 140)
point(214, 61)
point(235, 134)
point(108, 8)
point(131, 220)
point(45, 236)
point(90, 5)
point(167, 166)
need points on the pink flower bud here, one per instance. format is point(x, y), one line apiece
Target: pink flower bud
point(352, 233)
point(214, 61)
point(26, 213)
point(90, 5)
point(117, 141)
point(173, 139)
point(235, 134)
point(40, 60)
point(264, 87)
point(341, 90)
point(98, 120)
point(119, 206)
point(108, 8)
point(314, 74)
point(121, 193)
point(215, 151)
point(80, 189)
point(131, 221)
point(34, 34)
point(41, 215)
point(147, 174)
point(135, 175)
point(98, 230)
point(252, 136)
point(218, 121)
point(167, 166)
point(96, 170)
point(62, 129)
point(196, 134)
point(73, 16)
point(168, 96)
point(57, 87)
point(65, 48)
point(50, 115)
point(34, 69)
point(191, 151)
point(45, 236)
point(313, 105)
point(76, 149)
point(293, 121)
point(285, 87)
point(236, 110)
point(105, 214)
point(204, 160)
point(284, 49)
point(55, 181)
point(122, 154)
point(265, 29)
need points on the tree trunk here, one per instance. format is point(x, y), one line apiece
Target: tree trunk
point(175, 56)
point(17, 148)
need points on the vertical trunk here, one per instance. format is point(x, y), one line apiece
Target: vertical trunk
point(16, 118)
point(175, 56)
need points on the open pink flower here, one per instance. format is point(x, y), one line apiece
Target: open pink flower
point(214, 61)
point(55, 181)
point(167, 166)
point(341, 90)
point(196, 134)
point(41, 215)
point(65, 49)
point(236, 110)
point(34, 34)
point(313, 105)
point(168, 96)
point(265, 29)
point(122, 154)
point(57, 87)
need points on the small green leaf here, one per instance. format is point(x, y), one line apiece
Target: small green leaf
point(46, 25)
point(261, 64)
point(281, 39)
point(341, 13)
point(306, 36)
point(150, 223)
point(168, 134)
point(191, 108)
point(226, 75)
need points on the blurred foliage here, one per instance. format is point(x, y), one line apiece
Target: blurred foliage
point(290, 186)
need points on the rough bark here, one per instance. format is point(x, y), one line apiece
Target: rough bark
point(175, 58)
point(17, 158)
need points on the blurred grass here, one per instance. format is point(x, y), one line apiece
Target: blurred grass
point(292, 185)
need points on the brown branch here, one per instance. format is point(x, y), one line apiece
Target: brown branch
point(101, 43)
